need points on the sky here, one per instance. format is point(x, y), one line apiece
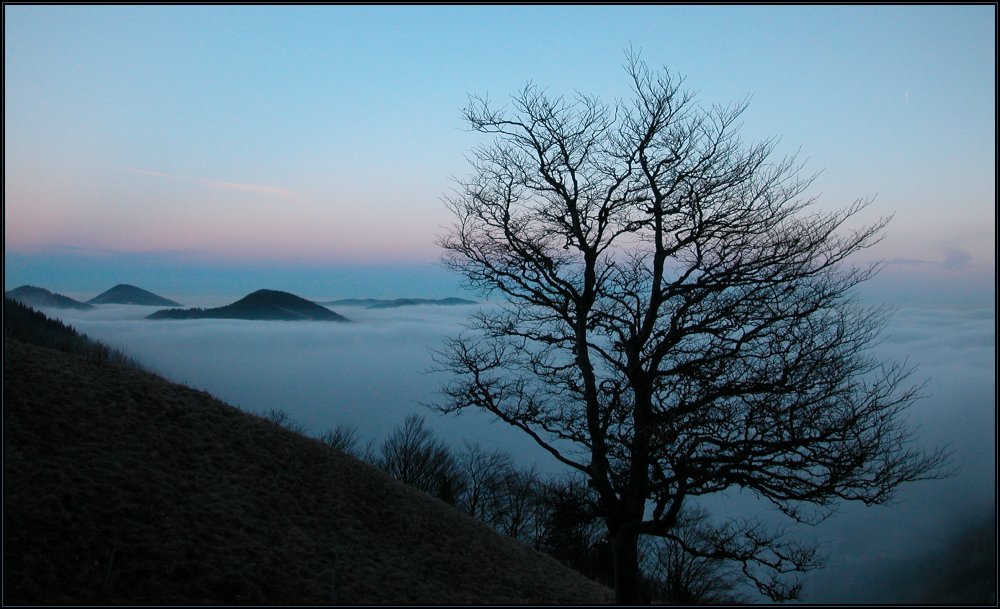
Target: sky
point(208, 149)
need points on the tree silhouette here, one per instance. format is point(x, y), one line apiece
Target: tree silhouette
point(680, 577)
point(484, 482)
point(570, 530)
point(679, 320)
point(413, 455)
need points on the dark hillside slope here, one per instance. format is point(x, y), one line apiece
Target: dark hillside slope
point(29, 325)
point(120, 487)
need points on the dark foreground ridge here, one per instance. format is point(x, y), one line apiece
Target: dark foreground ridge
point(40, 297)
point(123, 488)
point(260, 305)
point(129, 294)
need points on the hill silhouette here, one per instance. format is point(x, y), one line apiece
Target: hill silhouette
point(24, 323)
point(262, 305)
point(375, 303)
point(123, 488)
point(40, 297)
point(129, 294)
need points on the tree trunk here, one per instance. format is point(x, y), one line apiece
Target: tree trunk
point(625, 553)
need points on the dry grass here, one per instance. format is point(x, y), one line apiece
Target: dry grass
point(120, 487)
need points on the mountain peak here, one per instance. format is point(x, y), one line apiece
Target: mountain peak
point(40, 297)
point(124, 293)
point(262, 305)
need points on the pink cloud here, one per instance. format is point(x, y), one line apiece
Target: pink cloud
point(283, 193)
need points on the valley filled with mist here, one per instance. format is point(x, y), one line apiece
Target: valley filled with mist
point(372, 373)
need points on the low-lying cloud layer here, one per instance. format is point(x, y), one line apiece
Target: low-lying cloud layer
point(370, 373)
point(374, 372)
point(955, 352)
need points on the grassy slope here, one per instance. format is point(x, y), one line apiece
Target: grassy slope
point(120, 487)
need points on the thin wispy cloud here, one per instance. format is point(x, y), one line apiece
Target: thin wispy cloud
point(953, 259)
point(283, 193)
point(909, 262)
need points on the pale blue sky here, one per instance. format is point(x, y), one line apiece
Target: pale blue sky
point(322, 136)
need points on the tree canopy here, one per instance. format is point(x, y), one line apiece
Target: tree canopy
point(680, 319)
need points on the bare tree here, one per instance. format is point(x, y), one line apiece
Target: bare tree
point(484, 475)
point(412, 455)
point(281, 418)
point(679, 320)
point(523, 510)
point(344, 437)
point(571, 528)
point(680, 577)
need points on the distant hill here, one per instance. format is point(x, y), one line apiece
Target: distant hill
point(261, 305)
point(374, 303)
point(121, 488)
point(40, 297)
point(129, 294)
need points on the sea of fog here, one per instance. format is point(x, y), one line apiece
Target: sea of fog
point(375, 371)
point(370, 373)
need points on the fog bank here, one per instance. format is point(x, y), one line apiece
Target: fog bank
point(373, 372)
